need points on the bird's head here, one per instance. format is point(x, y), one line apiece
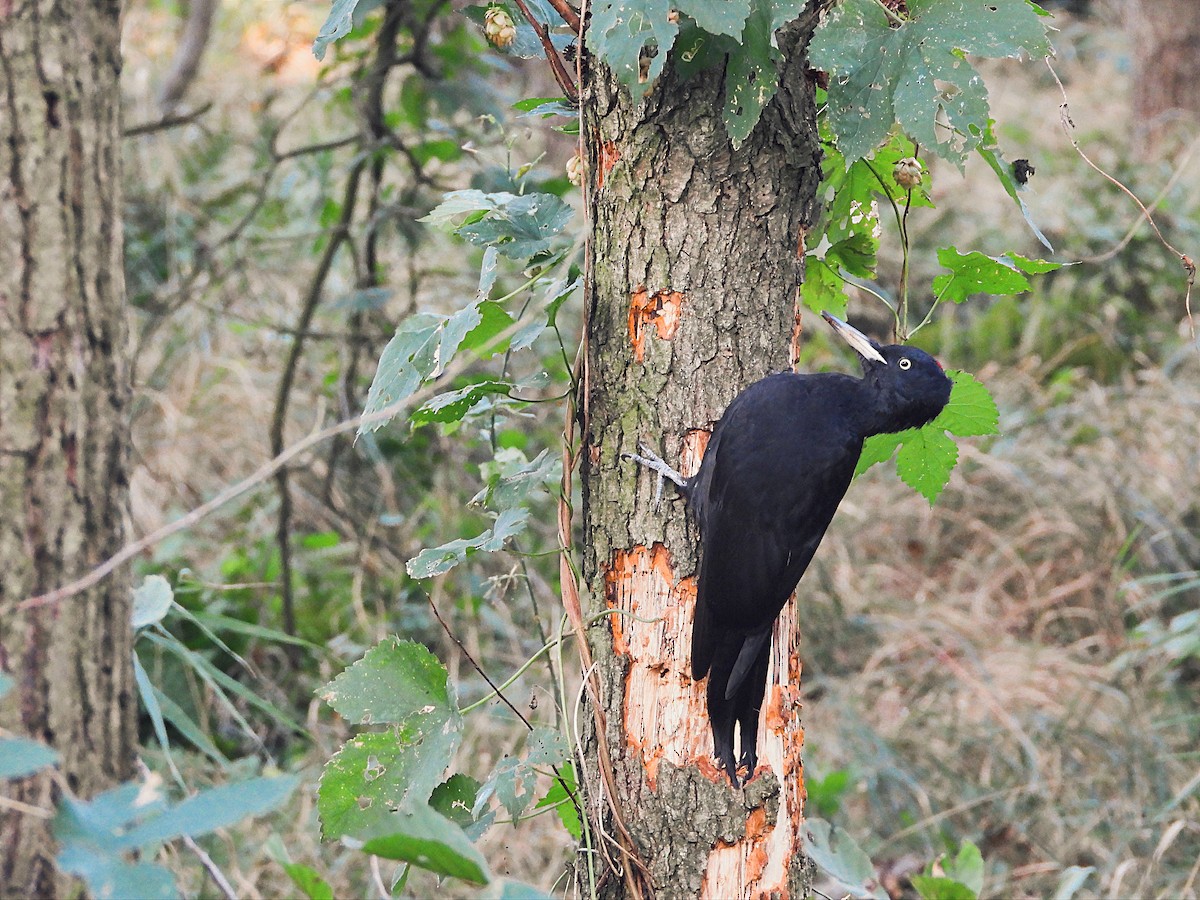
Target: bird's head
point(911, 386)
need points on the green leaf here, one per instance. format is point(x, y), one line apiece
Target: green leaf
point(407, 360)
point(376, 773)
point(621, 29)
point(308, 880)
point(394, 682)
point(966, 867)
point(566, 809)
point(437, 560)
point(989, 149)
point(930, 887)
point(855, 254)
point(751, 75)
point(418, 835)
point(1032, 266)
point(970, 410)
point(520, 227)
point(926, 458)
point(915, 72)
point(507, 889)
point(151, 601)
point(150, 702)
point(506, 783)
point(825, 794)
point(718, 16)
point(20, 757)
point(112, 878)
point(876, 449)
point(454, 798)
point(546, 747)
point(337, 25)
point(822, 290)
point(209, 810)
point(836, 853)
point(453, 405)
point(975, 273)
point(482, 338)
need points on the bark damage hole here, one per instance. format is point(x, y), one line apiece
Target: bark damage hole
point(797, 333)
point(607, 157)
point(695, 442)
point(659, 311)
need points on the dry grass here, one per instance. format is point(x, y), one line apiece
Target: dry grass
point(977, 682)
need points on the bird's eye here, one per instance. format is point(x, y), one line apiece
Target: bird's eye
point(905, 362)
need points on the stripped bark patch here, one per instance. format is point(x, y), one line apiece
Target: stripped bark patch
point(664, 715)
point(607, 158)
point(756, 865)
point(659, 311)
point(695, 442)
point(797, 331)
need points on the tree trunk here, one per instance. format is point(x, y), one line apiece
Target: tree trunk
point(1166, 35)
point(63, 423)
point(696, 265)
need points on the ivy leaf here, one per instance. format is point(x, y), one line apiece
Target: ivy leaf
point(915, 72)
point(621, 30)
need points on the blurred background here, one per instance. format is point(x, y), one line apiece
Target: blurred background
point(1017, 666)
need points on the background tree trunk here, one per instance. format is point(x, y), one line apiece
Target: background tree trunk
point(1166, 38)
point(63, 421)
point(696, 265)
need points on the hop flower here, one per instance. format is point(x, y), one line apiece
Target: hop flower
point(575, 170)
point(908, 172)
point(498, 27)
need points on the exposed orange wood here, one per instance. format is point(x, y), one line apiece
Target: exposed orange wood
point(660, 310)
point(695, 442)
point(797, 331)
point(608, 157)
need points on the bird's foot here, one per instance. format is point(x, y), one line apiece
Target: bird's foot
point(656, 463)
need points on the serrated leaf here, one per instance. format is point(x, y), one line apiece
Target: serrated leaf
point(493, 320)
point(453, 405)
point(505, 783)
point(520, 227)
point(546, 747)
point(855, 255)
point(621, 29)
point(1033, 266)
point(151, 601)
point(970, 410)
point(876, 449)
point(726, 17)
point(376, 774)
point(393, 682)
point(914, 71)
point(438, 560)
point(511, 479)
point(407, 360)
point(976, 273)
point(20, 757)
point(421, 837)
point(822, 290)
point(926, 458)
point(751, 76)
point(836, 853)
point(460, 207)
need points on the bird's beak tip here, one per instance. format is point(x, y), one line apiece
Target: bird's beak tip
point(862, 344)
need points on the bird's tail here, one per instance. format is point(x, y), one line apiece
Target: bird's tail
point(737, 681)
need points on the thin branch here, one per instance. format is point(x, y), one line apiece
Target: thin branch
point(556, 64)
point(171, 121)
point(211, 868)
point(564, 9)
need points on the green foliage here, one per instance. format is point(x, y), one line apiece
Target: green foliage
point(560, 797)
point(97, 838)
point(975, 273)
point(441, 559)
point(957, 878)
point(927, 454)
point(825, 794)
point(885, 68)
point(839, 857)
point(620, 31)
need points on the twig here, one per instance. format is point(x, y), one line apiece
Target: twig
point(211, 868)
point(171, 121)
point(568, 14)
point(1189, 266)
point(556, 63)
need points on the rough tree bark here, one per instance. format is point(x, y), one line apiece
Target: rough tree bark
point(696, 265)
point(1165, 36)
point(63, 423)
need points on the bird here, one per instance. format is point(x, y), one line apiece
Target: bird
point(777, 465)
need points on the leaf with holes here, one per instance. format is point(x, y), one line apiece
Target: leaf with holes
point(976, 273)
point(394, 681)
point(625, 32)
point(751, 76)
point(437, 560)
point(912, 69)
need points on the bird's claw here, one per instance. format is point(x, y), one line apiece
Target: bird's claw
point(658, 465)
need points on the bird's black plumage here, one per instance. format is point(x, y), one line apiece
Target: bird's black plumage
point(777, 465)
